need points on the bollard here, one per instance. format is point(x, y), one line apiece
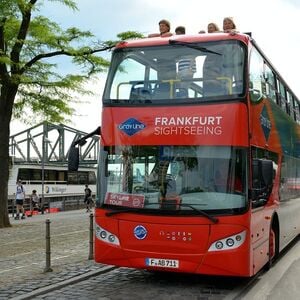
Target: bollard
point(48, 249)
point(91, 242)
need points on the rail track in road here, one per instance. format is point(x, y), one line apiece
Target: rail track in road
point(126, 283)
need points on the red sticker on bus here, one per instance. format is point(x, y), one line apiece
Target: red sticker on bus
point(128, 200)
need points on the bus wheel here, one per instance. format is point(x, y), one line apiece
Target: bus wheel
point(272, 248)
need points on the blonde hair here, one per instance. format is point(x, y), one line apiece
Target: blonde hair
point(214, 25)
point(230, 19)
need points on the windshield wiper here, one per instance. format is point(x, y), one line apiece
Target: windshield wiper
point(201, 212)
point(193, 46)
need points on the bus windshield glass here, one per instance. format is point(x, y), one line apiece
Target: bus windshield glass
point(174, 178)
point(180, 70)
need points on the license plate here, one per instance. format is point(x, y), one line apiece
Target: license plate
point(162, 263)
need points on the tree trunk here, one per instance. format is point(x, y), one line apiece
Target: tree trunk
point(7, 98)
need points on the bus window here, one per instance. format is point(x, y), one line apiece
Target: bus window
point(129, 72)
point(290, 178)
point(256, 75)
point(189, 174)
point(160, 73)
point(295, 107)
point(282, 95)
point(289, 103)
point(270, 84)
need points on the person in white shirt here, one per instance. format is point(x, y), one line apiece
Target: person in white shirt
point(20, 197)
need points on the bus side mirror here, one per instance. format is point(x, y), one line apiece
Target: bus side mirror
point(262, 180)
point(73, 159)
point(267, 171)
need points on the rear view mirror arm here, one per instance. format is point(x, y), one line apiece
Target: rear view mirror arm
point(82, 140)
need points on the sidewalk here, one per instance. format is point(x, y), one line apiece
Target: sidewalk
point(23, 258)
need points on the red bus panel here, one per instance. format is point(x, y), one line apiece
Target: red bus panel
point(179, 125)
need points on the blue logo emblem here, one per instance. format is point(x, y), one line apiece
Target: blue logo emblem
point(131, 126)
point(265, 123)
point(140, 232)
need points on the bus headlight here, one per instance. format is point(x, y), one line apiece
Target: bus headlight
point(106, 236)
point(219, 245)
point(231, 242)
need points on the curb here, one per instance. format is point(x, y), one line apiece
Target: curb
point(59, 285)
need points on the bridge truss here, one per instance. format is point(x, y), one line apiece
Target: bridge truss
point(50, 143)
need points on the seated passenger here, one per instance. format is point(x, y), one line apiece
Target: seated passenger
point(186, 68)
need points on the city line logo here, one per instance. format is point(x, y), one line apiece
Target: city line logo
point(131, 126)
point(265, 123)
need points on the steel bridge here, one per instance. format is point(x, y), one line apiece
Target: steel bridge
point(49, 143)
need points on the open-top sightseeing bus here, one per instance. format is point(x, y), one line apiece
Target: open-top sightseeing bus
point(199, 167)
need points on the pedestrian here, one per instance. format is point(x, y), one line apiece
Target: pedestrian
point(20, 198)
point(88, 200)
point(34, 201)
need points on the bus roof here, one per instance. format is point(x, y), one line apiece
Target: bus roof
point(157, 41)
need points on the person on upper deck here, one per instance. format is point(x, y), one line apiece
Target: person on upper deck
point(212, 69)
point(180, 30)
point(186, 67)
point(164, 29)
point(212, 27)
point(229, 25)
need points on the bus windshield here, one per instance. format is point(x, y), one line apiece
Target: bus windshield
point(179, 70)
point(177, 178)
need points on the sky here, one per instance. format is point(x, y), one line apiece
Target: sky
point(274, 25)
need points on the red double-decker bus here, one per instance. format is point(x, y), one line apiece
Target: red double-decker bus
point(199, 153)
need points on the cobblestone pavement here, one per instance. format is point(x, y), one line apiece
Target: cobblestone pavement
point(23, 258)
point(22, 264)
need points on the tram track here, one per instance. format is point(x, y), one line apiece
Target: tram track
point(53, 287)
point(206, 286)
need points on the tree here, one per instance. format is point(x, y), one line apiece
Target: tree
point(30, 81)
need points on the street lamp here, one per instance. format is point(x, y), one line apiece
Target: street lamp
point(44, 142)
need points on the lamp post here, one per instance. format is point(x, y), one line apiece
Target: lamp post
point(44, 142)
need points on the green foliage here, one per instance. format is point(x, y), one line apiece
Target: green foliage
point(33, 86)
point(127, 35)
point(29, 47)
